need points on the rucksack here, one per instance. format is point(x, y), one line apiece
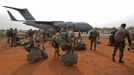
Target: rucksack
point(69, 58)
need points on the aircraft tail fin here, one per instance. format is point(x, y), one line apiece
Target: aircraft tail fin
point(24, 12)
point(11, 16)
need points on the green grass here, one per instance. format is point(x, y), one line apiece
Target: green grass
point(2, 35)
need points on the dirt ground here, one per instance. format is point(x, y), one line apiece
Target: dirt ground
point(13, 62)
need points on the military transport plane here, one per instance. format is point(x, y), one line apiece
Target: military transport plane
point(30, 20)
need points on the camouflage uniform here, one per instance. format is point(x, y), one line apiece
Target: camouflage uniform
point(111, 37)
point(8, 36)
point(56, 45)
point(36, 38)
point(60, 40)
point(42, 39)
point(94, 36)
point(120, 36)
point(15, 36)
point(30, 34)
point(12, 37)
point(71, 37)
point(79, 38)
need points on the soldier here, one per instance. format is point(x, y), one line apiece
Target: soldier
point(12, 37)
point(8, 36)
point(42, 38)
point(111, 37)
point(79, 38)
point(94, 36)
point(38, 38)
point(56, 45)
point(15, 36)
point(71, 37)
point(47, 35)
point(79, 44)
point(119, 37)
point(30, 34)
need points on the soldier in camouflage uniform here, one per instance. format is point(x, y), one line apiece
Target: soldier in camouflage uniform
point(12, 37)
point(38, 38)
point(30, 34)
point(56, 45)
point(71, 37)
point(8, 36)
point(111, 37)
point(15, 36)
point(119, 37)
point(94, 36)
point(60, 39)
point(42, 38)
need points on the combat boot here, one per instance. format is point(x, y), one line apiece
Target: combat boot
point(120, 58)
point(121, 61)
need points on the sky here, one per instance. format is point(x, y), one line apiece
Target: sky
point(98, 13)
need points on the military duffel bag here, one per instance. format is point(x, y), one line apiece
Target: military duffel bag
point(66, 46)
point(69, 58)
point(80, 46)
point(36, 54)
point(27, 47)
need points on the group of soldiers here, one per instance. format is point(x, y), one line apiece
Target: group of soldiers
point(59, 39)
point(36, 39)
point(117, 40)
point(67, 40)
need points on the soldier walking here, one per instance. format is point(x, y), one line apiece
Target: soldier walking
point(119, 37)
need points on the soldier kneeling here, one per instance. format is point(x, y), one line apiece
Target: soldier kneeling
point(79, 44)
